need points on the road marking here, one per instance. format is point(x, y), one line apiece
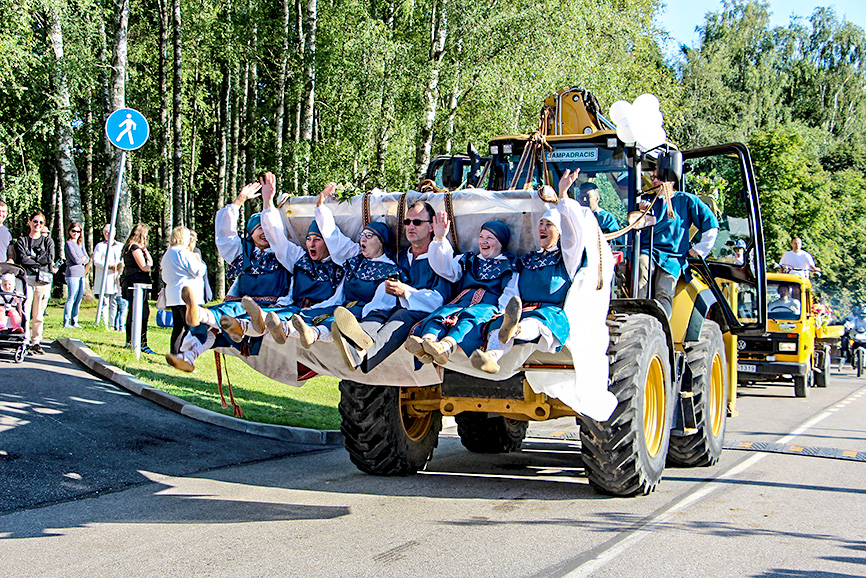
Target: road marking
point(621, 544)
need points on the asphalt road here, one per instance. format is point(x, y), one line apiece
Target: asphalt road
point(66, 435)
point(532, 514)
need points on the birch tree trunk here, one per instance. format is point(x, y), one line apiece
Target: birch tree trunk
point(177, 112)
point(116, 100)
point(438, 35)
point(67, 171)
point(279, 122)
point(309, 98)
point(189, 205)
point(222, 171)
point(386, 103)
point(86, 191)
point(164, 130)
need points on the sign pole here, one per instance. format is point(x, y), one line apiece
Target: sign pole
point(111, 232)
point(127, 130)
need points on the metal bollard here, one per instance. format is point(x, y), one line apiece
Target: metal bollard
point(137, 302)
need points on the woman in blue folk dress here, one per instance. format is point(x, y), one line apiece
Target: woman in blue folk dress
point(366, 264)
point(315, 278)
point(545, 276)
point(486, 282)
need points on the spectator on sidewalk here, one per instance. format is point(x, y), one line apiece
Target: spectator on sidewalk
point(76, 261)
point(35, 253)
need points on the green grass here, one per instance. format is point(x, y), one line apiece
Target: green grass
point(262, 399)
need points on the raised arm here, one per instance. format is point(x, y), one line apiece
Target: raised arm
point(441, 253)
point(287, 253)
point(341, 247)
point(229, 244)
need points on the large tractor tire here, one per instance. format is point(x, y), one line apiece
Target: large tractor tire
point(706, 362)
point(802, 383)
point(485, 434)
point(382, 434)
point(626, 454)
point(822, 377)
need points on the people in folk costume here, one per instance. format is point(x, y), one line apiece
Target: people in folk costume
point(315, 278)
point(260, 275)
point(545, 275)
point(419, 291)
point(486, 283)
point(367, 265)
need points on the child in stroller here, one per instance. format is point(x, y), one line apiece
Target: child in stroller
point(13, 330)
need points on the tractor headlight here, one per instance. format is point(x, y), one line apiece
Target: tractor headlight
point(788, 346)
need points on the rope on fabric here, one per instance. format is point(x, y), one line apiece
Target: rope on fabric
point(449, 208)
point(220, 364)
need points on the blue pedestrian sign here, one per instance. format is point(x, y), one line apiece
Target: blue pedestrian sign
point(127, 129)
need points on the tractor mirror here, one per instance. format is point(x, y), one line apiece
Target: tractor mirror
point(670, 166)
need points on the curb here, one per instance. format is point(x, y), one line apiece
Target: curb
point(134, 385)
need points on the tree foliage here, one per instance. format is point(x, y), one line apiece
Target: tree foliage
point(390, 75)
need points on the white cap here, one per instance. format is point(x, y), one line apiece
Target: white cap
point(554, 217)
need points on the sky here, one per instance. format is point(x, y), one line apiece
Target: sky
point(682, 16)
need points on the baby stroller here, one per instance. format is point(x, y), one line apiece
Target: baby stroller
point(15, 338)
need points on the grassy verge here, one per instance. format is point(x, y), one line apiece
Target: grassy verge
point(262, 399)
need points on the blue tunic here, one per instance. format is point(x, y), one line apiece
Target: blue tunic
point(543, 285)
point(421, 275)
point(362, 278)
point(461, 320)
point(670, 237)
point(262, 277)
point(606, 221)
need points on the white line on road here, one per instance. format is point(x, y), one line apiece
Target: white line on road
point(634, 536)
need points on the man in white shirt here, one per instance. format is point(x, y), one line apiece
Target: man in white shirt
point(800, 262)
point(111, 302)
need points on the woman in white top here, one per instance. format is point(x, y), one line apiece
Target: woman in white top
point(111, 302)
point(181, 268)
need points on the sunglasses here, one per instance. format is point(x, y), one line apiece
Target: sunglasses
point(38, 222)
point(75, 231)
point(416, 222)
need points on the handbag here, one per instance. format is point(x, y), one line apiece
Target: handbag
point(44, 277)
point(160, 300)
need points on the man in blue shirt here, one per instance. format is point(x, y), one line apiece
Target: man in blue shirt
point(676, 212)
point(589, 196)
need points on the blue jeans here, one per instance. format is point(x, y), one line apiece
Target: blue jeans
point(119, 321)
point(73, 300)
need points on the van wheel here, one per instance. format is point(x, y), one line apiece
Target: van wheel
point(822, 377)
point(802, 383)
point(383, 432)
point(626, 454)
point(706, 361)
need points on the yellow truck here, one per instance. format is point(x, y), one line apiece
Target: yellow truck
point(796, 347)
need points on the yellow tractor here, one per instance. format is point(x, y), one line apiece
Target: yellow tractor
point(673, 379)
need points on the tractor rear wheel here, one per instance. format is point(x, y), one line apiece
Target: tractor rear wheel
point(494, 434)
point(626, 454)
point(706, 362)
point(383, 433)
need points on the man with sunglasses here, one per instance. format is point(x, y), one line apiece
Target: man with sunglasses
point(419, 291)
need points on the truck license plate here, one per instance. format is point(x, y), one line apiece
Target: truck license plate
point(747, 368)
